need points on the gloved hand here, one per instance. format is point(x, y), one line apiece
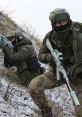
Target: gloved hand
point(49, 58)
point(3, 40)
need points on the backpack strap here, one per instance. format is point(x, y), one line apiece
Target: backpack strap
point(50, 34)
point(75, 42)
point(75, 70)
point(53, 41)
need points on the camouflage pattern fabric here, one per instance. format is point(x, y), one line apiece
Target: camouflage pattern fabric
point(48, 80)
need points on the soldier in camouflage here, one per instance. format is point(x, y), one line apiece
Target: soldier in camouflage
point(24, 57)
point(65, 36)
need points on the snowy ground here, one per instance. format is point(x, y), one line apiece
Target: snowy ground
point(15, 100)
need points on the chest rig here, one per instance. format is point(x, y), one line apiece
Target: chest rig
point(66, 49)
point(77, 48)
point(73, 49)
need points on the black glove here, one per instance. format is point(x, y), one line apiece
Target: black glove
point(7, 62)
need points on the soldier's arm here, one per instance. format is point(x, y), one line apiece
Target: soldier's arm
point(44, 51)
point(22, 54)
point(77, 25)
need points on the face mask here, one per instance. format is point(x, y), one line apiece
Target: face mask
point(61, 29)
point(62, 37)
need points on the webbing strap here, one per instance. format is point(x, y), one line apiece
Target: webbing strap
point(75, 39)
point(75, 42)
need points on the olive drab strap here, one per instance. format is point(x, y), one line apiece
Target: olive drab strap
point(77, 68)
point(50, 34)
point(75, 48)
point(75, 43)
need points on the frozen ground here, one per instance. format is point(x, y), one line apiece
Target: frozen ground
point(15, 100)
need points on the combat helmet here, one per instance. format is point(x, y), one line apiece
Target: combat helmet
point(19, 36)
point(58, 15)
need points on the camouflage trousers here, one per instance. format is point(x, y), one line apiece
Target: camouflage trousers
point(48, 81)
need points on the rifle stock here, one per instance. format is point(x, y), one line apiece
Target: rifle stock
point(60, 69)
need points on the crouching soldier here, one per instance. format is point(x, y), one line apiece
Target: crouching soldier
point(68, 40)
point(23, 57)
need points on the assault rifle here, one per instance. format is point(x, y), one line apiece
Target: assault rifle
point(4, 41)
point(60, 69)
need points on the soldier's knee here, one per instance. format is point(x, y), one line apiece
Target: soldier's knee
point(50, 74)
point(34, 85)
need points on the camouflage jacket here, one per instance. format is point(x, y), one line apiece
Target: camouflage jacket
point(71, 51)
point(22, 54)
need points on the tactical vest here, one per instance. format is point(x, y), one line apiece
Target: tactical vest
point(77, 44)
point(67, 49)
point(77, 48)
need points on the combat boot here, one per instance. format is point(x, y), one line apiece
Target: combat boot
point(46, 111)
